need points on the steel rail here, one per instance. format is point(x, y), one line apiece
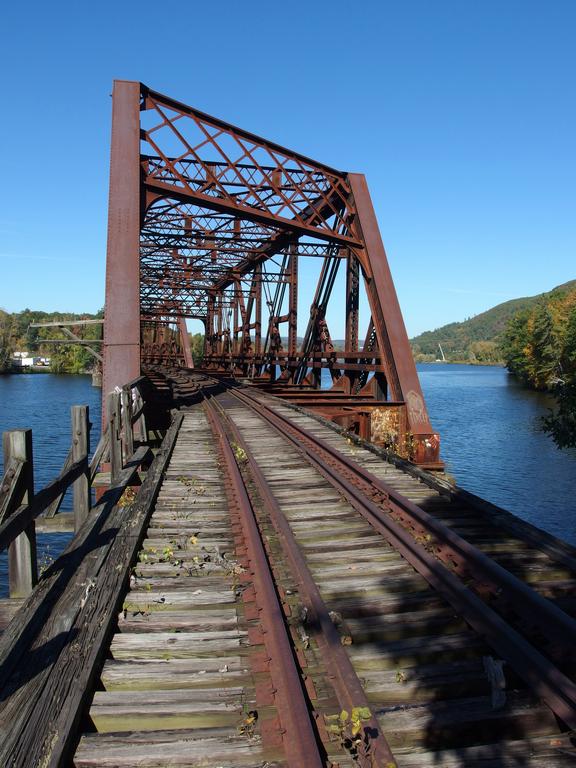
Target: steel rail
point(347, 685)
point(541, 674)
point(299, 739)
point(557, 626)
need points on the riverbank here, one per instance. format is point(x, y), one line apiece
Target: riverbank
point(43, 369)
point(498, 364)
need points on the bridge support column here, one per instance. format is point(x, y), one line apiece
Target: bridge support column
point(185, 342)
point(390, 330)
point(122, 312)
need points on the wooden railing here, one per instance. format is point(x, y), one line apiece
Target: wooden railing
point(123, 444)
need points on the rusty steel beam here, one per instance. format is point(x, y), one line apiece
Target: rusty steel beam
point(122, 311)
point(185, 342)
point(179, 106)
point(220, 218)
point(186, 195)
point(388, 321)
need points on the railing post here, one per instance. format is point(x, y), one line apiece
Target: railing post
point(142, 429)
point(128, 427)
point(114, 425)
point(22, 566)
point(80, 450)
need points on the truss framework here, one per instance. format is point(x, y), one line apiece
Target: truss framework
point(212, 222)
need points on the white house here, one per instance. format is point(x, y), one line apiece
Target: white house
point(25, 360)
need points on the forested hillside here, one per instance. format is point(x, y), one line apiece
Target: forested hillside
point(479, 338)
point(16, 335)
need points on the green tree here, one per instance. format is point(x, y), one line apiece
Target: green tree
point(568, 358)
point(546, 350)
point(485, 352)
point(561, 422)
point(197, 347)
point(515, 343)
point(6, 340)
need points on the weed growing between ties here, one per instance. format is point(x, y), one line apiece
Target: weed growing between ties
point(248, 724)
point(239, 453)
point(347, 727)
point(127, 497)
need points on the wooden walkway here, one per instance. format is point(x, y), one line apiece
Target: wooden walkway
point(179, 670)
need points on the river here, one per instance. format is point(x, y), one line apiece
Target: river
point(488, 425)
point(493, 446)
point(42, 402)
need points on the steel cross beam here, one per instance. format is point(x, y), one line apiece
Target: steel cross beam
point(122, 308)
point(210, 221)
point(164, 189)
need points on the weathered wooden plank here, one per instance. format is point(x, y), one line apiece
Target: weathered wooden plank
point(128, 428)
point(463, 722)
point(8, 608)
point(176, 673)
point(99, 454)
point(65, 622)
point(166, 599)
point(114, 414)
point(53, 508)
point(184, 748)
point(23, 516)
point(63, 522)
point(80, 450)
point(171, 621)
point(22, 566)
point(11, 486)
point(534, 752)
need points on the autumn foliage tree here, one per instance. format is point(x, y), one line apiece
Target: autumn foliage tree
point(539, 346)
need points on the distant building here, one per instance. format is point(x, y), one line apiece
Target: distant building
point(27, 360)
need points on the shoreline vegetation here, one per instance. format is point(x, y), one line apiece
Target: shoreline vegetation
point(533, 337)
point(17, 336)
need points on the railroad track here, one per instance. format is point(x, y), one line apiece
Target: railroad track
point(367, 601)
point(207, 666)
point(531, 634)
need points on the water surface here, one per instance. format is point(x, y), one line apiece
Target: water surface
point(491, 441)
point(42, 402)
point(493, 445)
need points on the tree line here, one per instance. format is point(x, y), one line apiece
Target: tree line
point(16, 335)
point(539, 346)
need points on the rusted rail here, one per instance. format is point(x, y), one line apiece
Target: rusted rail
point(299, 740)
point(534, 636)
point(372, 750)
point(400, 522)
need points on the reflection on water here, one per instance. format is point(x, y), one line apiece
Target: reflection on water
point(42, 402)
point(492, 444)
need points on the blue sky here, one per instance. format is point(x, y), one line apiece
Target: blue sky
point(462, 115)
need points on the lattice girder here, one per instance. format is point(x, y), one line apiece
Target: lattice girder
point(209, 221)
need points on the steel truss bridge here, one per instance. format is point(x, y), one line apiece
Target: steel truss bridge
point(211, 222)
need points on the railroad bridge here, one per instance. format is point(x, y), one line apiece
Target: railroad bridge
point(269, 567)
